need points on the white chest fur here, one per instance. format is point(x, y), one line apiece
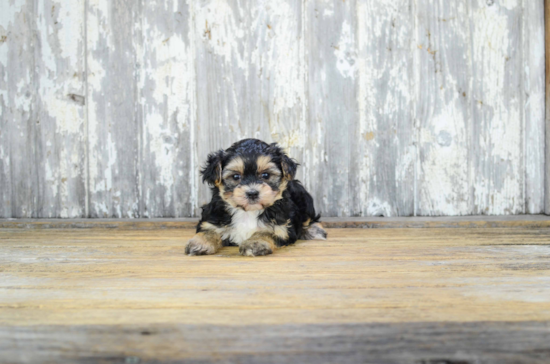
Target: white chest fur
point(243, 225)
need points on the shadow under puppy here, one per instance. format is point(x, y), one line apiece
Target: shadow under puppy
point(256, 202)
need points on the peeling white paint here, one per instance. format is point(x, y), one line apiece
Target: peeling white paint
point(498, 109)
point(345, 52)
point(455, 75)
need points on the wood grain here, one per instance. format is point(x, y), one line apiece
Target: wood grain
point(426, 343)
point(60, 109)
point(108, 108)
point(516, 221)
point(379, 275)
point(443, 94)
point(498, 119)
point(113, 128)
point(18, 174)
point(386, 160)
point(403, 295)
point(547, 104)
point(330, 40)
point(534, 92)
point(167, 109)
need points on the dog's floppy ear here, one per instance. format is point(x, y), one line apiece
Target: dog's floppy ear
point(212, 171)
point(289, 166)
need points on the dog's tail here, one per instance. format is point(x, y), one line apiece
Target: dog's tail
point(313, 229)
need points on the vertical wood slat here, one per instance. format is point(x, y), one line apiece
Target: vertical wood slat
point(330, 41)
point(167, 102)
point(60, 144)
point(547, 104)
point(498, 139)
point(17, 133)
point(385, 62)
point(533, 90)
point(442, 98)
point(113, 117)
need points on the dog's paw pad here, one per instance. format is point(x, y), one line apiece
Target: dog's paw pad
point(255, 248)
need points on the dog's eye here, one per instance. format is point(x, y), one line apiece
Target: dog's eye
point(236, 177)
point(265, 175)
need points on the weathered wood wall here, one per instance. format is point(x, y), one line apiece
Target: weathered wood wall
point(393, 107)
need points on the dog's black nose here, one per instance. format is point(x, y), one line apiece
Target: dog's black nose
point(252, 195)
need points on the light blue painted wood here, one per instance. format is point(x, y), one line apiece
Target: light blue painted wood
point(394, 108)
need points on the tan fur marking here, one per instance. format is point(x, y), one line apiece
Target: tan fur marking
point(211, 227)
point(227, 196)
point(236, 165)
point(282, 189)
point(260, 243)
point(204, 243)
point(264, 162)
point(281, 231)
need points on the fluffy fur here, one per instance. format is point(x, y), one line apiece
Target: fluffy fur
point(256, 202)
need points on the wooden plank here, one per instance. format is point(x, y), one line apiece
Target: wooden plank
point(60, 143)
point(387, 160)
point(108, 277)
point(333, 144)
point(547, 99)
point(498, 120)
point(459, 295)
point(508, 221)
point(113, 129)
point(442, 110)
point(167, 103)
point(533, 103)
point(426, 343)
point(248, 61)
point(17, 118)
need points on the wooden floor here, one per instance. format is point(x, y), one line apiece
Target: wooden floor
point(425, 296)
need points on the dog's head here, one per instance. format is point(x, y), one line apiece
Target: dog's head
point(251, 174)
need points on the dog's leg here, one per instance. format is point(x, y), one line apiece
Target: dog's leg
point(314, 231)
point(204, 243)
point(258, 244)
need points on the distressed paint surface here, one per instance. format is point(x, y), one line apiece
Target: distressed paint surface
point(60, 144)
point(108, 108)
point(498, 102)
point(113, 125)
point(331, 55)
point(385, 61)
point(442, 94)
point(167, 105)
point(17, 95)
point(547, 109)
point(533, 86)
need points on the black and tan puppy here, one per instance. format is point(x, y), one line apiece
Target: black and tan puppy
point(256, 202)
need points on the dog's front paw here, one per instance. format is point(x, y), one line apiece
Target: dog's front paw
point(201, 245)
point(256, 247)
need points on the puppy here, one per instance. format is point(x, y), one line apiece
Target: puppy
point(256, 202)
